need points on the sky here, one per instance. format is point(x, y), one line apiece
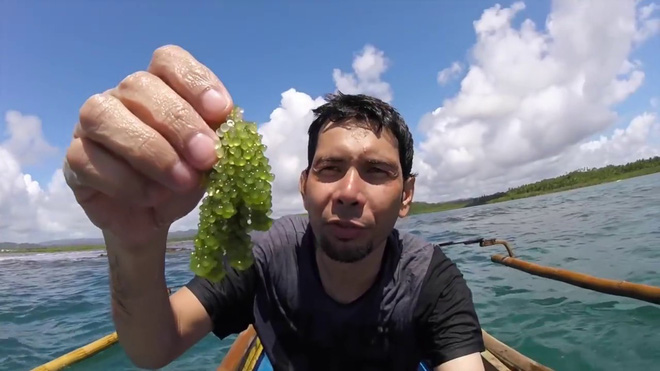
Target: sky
point(497, 94)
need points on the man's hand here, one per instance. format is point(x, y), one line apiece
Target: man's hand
point(135, 165)
point(136, 156)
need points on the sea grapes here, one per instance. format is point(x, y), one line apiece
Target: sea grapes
point(237, 201)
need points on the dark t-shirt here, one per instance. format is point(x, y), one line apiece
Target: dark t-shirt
point(419, 308)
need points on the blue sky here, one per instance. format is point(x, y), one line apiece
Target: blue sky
point(56, 54)
point(511, 114)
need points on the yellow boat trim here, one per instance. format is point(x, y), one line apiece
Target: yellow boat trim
point(79, 354)
point(83, 352)
point(253, 356)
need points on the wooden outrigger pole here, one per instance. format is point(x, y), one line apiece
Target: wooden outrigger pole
point(638, 291)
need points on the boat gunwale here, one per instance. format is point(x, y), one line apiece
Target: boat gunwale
point(497, 357)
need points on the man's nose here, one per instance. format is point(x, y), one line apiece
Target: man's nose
point(349, 191)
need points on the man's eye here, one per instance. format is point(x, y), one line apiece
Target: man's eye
point(377, 170)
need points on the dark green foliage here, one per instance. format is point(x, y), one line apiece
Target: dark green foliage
point(584, 178)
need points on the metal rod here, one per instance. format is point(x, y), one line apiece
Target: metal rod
point(466, 242)
point(493, 241)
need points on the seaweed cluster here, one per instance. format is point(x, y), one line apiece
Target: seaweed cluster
point(238, 200)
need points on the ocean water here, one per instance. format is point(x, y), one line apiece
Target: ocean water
point(51, 304)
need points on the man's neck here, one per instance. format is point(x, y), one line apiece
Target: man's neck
point(346, 282)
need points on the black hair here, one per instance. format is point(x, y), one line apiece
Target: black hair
point(363, 109)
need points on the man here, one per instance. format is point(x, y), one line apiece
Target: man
point(340, 289)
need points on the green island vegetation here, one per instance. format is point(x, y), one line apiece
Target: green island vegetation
point(31, 248)
point(34, 248)
point(575, 179)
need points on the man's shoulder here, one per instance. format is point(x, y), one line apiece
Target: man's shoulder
point(415, 252)
point(287, 225)
point(416, 247)
point(412, 241)
point(428, 263)
point(285, 234)
point(443, 282)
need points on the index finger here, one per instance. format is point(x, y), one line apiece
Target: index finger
point(194, 82)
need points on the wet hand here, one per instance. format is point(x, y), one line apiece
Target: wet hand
point(139, 149)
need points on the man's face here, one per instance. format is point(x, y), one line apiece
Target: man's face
point(354, 191)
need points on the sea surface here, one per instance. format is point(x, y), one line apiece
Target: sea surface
point(53, 303)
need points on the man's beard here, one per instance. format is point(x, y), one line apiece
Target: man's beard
point(351, 254)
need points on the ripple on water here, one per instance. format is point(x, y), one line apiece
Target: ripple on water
point(549, 301)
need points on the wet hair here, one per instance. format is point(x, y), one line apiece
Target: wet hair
point(362, 109)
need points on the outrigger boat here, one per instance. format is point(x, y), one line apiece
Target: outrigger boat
point(246, 353)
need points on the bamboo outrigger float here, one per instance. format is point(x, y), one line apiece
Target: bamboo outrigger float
point(246, 353)
point(606, 286)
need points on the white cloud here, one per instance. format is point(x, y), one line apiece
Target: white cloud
point(26, 142)
point(622, 146)
point(531, 97)
point(30, 213)
point(368, 67)
point(647, 26)
point(654, 102)
point(58, 213)
point(449, 73)
point(285, 137)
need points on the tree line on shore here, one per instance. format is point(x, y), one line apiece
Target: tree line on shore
point(575, 179)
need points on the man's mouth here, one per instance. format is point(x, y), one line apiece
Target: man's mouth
point(345, 230)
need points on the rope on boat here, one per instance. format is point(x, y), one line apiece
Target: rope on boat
point(638, 291)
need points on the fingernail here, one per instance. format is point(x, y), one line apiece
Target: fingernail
point(214, 103)
point(184, 176)
point(202, 150)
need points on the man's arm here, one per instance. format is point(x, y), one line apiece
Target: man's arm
point(448, 327)
point(152, 327)
point(134, 164)
point(470, 362)
point(155, 329)
point(228, 304)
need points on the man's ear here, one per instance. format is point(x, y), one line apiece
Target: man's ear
point(407, 196)
point(302, 183)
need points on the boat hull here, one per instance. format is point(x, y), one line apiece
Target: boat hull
point(247, 354)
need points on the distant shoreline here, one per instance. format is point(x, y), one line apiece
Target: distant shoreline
point(574, 180)
point(75, 248)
